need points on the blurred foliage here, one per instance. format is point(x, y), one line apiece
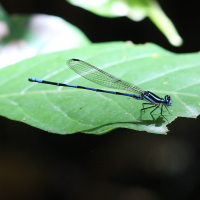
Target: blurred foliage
point(135, 10)
point(24, 36)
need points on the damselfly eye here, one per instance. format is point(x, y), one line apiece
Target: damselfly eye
point(167, 98)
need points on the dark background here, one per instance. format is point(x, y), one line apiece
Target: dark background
point(120, 165)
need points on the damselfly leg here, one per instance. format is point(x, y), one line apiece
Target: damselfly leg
point(143, 109)
point(151, 113)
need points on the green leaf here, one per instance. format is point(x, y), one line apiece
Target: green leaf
point(26, 36)
point(135, 10)
point(69, 110)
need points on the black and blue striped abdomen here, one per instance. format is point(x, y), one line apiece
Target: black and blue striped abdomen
point(106, 91)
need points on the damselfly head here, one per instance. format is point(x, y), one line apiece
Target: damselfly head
point(168, 101)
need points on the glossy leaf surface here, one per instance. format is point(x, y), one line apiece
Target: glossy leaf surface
point(67, 110)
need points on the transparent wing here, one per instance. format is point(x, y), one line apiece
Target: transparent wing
point(101, 77)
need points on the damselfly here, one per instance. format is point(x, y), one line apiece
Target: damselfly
point(103, 78)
